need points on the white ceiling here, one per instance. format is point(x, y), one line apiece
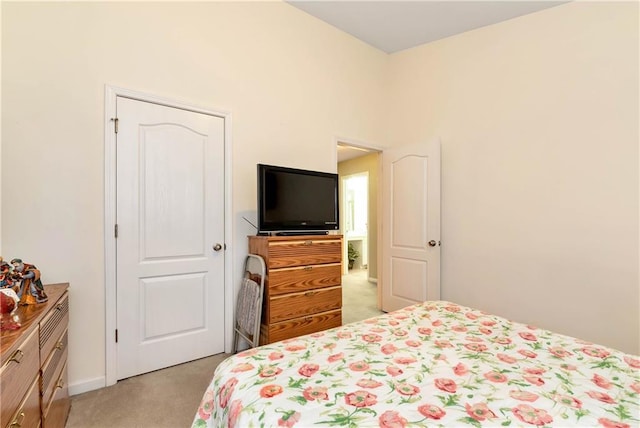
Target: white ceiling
point(346, 152)
point(392, 26)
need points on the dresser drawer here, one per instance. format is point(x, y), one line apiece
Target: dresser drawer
point(17, 375)
point(304, 252)
point(296, 305)
point(28, 413)
point(53, 325)
point(302, 278)
point(300, 326)
point(303, 292)
point(52, 369)
point(55, 415)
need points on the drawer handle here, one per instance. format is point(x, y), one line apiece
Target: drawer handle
point(59, 307)
point(17, 356)
point(60, 383)
point(59, 345)
point(307, 268)
point(310, 293)
point(308, 242)
point(15, 422)
point(308, 319)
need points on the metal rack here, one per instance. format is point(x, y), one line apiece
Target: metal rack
point(249, 304)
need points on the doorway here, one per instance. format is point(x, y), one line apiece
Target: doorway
point(406, 203)
point(162, 249)
point(358, 168)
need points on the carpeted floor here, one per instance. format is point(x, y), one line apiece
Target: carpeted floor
point(170, 397)
point(165, 398)
point(359, 297)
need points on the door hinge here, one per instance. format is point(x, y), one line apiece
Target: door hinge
point(115, 124)
point(115, 230)
point(116, 335)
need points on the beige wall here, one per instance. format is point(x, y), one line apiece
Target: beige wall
point(538, 118)
point(369, 164)
point(291, 82)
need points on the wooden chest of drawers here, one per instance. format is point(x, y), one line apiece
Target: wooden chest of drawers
point(33, 365)
point(303, 291)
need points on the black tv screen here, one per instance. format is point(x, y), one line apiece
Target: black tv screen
point(296, 200)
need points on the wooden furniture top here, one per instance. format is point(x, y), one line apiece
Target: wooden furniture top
point(297, 250)
point(296, 237)
point(29, 316)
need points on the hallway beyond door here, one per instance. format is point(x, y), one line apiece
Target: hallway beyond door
point(359, 297)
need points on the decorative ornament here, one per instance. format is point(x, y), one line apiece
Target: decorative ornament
point(31, 290)
point(8, 304)
point(6, 276)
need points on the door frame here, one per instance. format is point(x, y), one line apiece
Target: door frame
point(110, 195)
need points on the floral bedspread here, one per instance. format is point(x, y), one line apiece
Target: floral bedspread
point(431, 364)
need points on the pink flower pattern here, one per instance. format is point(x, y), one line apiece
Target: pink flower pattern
point(392, 419)
point(368, 383)
point(360, 399)
point(435, 363)
point(448, 385)
point(524, 396)
point(315, 393)
point(431, 411)
point(601, 381)
point(531, 415)
point(289, 419)
point(460, 369)
point(479, 411)
point(308, 370)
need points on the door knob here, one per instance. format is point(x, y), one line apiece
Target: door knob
point(432, 243)
point(217, 247)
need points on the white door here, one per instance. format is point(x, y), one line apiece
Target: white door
point(170, 215)
point(411, 225)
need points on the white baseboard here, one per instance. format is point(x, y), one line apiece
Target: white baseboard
point(373, 280)
point(87, 385)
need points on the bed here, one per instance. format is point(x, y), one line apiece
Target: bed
point(435, 363)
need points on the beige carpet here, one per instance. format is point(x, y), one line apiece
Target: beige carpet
point(164, 398)
point(359, 297)
point(170, 397)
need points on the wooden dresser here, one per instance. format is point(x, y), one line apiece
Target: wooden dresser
point(33, 365)
point(303, 291)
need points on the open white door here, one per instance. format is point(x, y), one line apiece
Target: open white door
point(410, 225)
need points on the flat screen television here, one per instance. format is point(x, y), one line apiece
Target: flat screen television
point(292, 201)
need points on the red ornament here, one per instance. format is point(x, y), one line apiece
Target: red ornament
point(8, 304)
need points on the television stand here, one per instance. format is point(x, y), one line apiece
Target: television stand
point(303, 284)
point(303, 232)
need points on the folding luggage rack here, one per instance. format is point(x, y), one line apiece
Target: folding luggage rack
point(249, 305)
